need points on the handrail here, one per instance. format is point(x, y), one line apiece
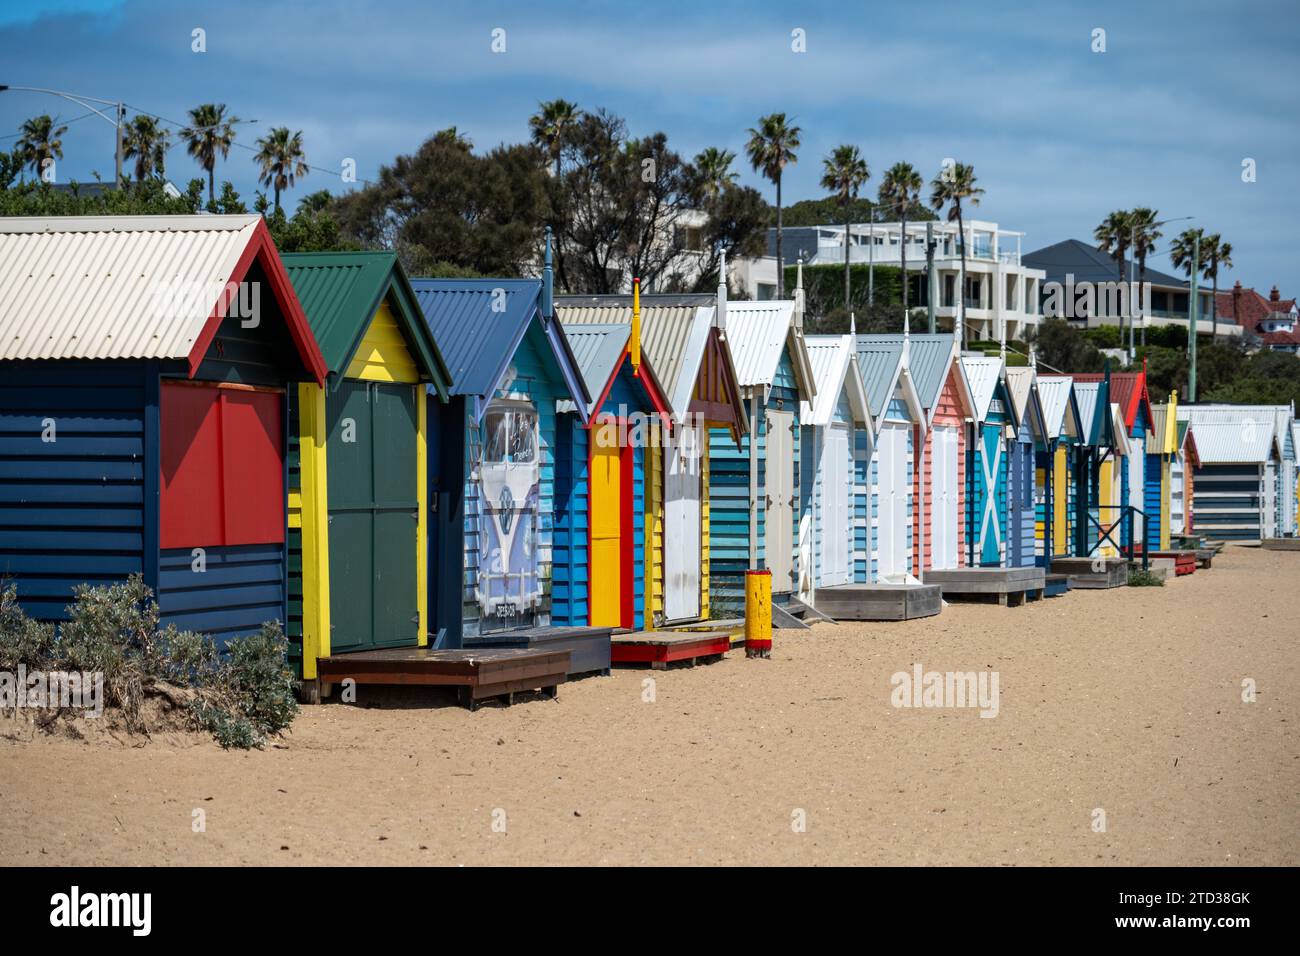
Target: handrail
point(1127, 512)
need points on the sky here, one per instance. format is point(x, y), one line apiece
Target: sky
point(1059, 133)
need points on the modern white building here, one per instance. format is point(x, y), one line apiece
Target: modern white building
point(1000, 288)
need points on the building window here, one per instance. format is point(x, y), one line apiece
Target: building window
point(765, 292)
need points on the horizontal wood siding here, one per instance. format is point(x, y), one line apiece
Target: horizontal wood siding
point(240, 588)
point(1229, 499)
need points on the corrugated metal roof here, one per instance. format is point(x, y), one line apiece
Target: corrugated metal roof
point(1250, 419)
point(674, 333)
point(598, 349)
point(878, 362)
point(478, 324)
point(1228, 443)
point(1087, 394)
point(756, 332)
point(1054, 392)
point(114, 287)
point(1159, 420)
point(1127, 389)
point(1020, 386)
point(340, 293)
point(982, 374)
point(927, 359)
point(833, 368)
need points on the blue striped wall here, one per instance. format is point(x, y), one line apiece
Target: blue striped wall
point(1151, 499)
point(1020, 513)
point(74, 510)
point(239, 589)
point(862, 512)
point(1229, 502)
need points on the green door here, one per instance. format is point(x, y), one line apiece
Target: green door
point(372, 515)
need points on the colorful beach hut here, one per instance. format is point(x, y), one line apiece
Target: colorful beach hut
point(359, 521)
point(606, 450)
point(1182, 483)
point(144, 369)
point(1162, 451)
point(885, 535)
point(1026, 432)
point(1129, 391)
point(1092, 453)
point(683, 337)
point(1054, 486)
point(505, 491)
point(836, 438)
point(754, 489)
point(988, 473)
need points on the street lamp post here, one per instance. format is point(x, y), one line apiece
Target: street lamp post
point(1191, 320)
point(117, 120)
point(1132, 236)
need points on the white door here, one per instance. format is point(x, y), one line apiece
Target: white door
point(891, 538)
point(779, 522)
point(682, 520)
point(1176, 517)
point(943, 499)
point(836, 522)
point(1137, 484)
point(1268, 519)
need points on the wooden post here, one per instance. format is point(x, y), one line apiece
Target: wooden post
point(758, 613)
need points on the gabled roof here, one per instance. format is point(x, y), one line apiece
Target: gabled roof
point(1088, 263)
point(929, 359)
point(675, 332)
point(340, 293)
point(599, 351)
point(834, 368)
point(1022, 387)
point(880, 363)
point(1273, 421)
point(757, 332)
point(1060, 406)
point(1092, 398)
point(1127, 389)
point(983, 372)
point(1228, 443)
point(134, 287)
point(1164, 428)
point(479, 324)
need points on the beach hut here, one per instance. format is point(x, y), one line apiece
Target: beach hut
point(836, 437)
point(1129, 391)
point(1162, 451)
point(1054, 484)
point(607, 448)
point(1182, 484)
point(1242, 450)
point(683, 337)
point(144, 369)
point(1093, 452)
point(987, 467)
point(886, 531)
point(754, 488)
point(359, 521)
point(1026, 431)
point(505, 488)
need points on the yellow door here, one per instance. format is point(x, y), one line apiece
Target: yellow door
point(1107, 514)
point(1060, 499)
point(606, 569)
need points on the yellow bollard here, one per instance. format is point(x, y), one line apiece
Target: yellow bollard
point(758, 613)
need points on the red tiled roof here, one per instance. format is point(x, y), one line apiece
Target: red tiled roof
point(1254, 307)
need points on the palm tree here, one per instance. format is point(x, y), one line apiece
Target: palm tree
point(1112, 236)
point(282, 160)
point(714, 168)
point(1181, 252)
point(210, 133)
point(1145, 231)
point(1215, 254)
point(147, 142)
point(843, 173)
point(949, 188)
point(899, 191)
point(313, 203)
point(40, 143)
point(770, 149)
point(551, 127)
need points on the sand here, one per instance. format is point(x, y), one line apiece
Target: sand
point(1128, 701)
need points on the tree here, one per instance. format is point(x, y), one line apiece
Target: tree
point(1058, 345)
point(147, 142)
point(551, 127)
point(770, 149)
point(1112, 237)
point(898, 192)
point(40, 143)
point(281, 159)
point(713, 166)
point(1217, 255)
point(843, 173)
point(312, 203)
point(953, 185)
point(210, 134)
point(1145, 232)
point(737, 225)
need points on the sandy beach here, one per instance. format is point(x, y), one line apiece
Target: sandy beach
point(1126, 701)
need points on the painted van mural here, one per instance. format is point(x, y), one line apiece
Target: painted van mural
point(509, 588)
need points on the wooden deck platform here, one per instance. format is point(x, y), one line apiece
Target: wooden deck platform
point(1054, 585)
point(477, 674)
point(661, 648)
point(1093, 572)
point(1205, 557)
point(588, 647)
point(879, 602)
point(1009, 586)
point(1184, 562)
point(1280, 544)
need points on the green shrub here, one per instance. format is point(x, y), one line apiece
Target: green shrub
point(250, 693)
point(22, 640)
point(1137, 578)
